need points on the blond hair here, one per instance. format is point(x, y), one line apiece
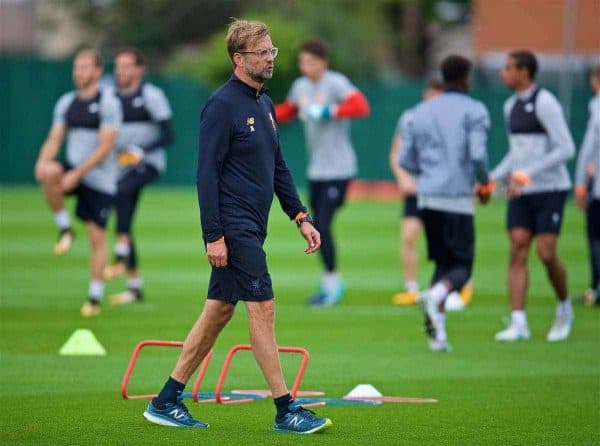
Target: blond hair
point(242, 33)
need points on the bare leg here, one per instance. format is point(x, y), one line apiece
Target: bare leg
point(52, 172)
point(518, 278)
point(546, 249)
point(261, 320)
point(201, 338)
point(99, 252)
point(411, 227)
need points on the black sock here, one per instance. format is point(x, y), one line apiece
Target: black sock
point(169, 393)
point(282, 404)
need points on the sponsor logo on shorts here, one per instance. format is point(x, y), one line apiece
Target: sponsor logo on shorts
point(255, 287)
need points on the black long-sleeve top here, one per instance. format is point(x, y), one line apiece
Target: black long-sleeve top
point(240, 165)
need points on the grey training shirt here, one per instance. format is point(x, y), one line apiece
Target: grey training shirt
point(330, 152)
point(444, 147)
point(83, 119)
point(539, 139)
point(142, 111)
point(590, 148)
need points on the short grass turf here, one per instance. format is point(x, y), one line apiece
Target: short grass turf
point(489, 393)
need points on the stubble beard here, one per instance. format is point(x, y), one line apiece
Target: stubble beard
point(260, 76)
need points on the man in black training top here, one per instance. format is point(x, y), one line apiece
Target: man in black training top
point(240, 167)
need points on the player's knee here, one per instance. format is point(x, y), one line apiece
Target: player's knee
point(49, 172)
point(409, 240)
point(97, 238)
point(226, 313)
point(547, 254)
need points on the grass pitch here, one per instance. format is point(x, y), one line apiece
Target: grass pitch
point(489, 393)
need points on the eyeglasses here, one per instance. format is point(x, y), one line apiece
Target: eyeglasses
point(263, 53)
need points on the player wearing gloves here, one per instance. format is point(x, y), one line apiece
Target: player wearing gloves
point(325, 101)
point(445, 149)
point(537, 182)
point(145, 133)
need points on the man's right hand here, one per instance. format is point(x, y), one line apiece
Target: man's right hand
point(217, 253)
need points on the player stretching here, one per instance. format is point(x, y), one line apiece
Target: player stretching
point(89, 119)
point(145, 133)
point(240, 167)
point(444, 147)
point(587, 189)
point(537, 183)
point(325, 100)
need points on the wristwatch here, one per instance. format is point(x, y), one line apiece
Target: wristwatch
point(304, 219)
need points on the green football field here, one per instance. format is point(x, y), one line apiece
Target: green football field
point(527, 393)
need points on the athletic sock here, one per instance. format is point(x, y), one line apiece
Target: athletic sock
point(564, 308)
point(282, 403)
point(519, 318)
point(438, 292)
point(440, 326)
point(122, 249)
point(330, 282)
point(62, 219)
point(135, 283)
point(96, 290)
point(412, 286)
point(169, 393)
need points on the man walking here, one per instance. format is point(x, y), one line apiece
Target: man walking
point(537, 183)
point(444, 147)
point(240, 167)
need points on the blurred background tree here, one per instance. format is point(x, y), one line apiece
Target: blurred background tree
point(376, 39)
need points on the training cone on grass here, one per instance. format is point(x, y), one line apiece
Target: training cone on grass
point(364, 391)
point(82, 342)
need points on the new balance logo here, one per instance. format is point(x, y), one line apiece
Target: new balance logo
point(175, 413)
point(295, 421)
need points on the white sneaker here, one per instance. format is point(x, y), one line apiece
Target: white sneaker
point(561, 329)
point(436, 345)
point(513, 333)
point(454, 302)
point(429, 309)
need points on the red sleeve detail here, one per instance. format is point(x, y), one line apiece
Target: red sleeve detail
point(355, 105)
point(285, 112)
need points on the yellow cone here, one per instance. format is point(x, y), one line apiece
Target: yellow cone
point(82, 342)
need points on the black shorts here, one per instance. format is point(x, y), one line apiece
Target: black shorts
point(327, 195)
point(450, 236)
point(246, 276)
point(593, 218)
point(92, 205)
point(410, 207)
point(541, 213)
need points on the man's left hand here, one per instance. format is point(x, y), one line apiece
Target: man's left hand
point(70, 180)
point(312, 237)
